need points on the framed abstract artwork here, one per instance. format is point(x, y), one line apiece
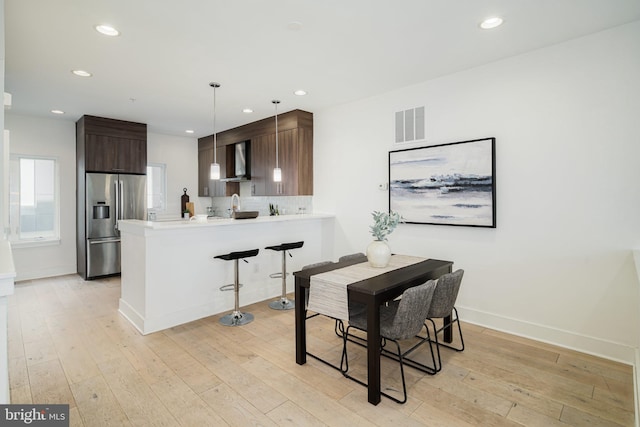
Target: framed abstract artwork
point(448, 184)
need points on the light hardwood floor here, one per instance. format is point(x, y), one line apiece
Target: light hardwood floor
point(68, 344)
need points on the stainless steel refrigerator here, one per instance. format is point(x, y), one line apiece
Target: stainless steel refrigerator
point(109, 199)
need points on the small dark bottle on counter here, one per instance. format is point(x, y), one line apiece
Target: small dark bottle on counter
point(183, 201)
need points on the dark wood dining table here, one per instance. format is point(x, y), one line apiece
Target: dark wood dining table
point(373, 292)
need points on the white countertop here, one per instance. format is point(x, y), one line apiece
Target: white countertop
point(217, 221)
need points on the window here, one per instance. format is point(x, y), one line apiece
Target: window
point(33, 199)
point(156, 187)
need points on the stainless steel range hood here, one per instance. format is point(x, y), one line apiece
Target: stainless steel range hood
point(242, 163)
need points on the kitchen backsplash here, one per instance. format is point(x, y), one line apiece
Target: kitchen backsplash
point(287, 205)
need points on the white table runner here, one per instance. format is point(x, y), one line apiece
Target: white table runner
point(328, 291)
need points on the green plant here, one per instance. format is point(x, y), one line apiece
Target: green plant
point(384, 223)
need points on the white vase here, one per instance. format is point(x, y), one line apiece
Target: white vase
point(378, 254)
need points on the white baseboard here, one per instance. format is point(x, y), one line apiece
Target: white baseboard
point(44, 273)
point(586, 344)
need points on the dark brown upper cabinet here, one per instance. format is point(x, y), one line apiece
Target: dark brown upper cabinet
point(111, 146)
point(295, 155)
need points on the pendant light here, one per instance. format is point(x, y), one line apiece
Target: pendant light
point(214, 171)
point(277, 172)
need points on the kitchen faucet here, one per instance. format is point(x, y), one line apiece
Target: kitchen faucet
point(235, 207)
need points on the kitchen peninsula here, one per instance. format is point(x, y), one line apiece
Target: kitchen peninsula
point(169, 275)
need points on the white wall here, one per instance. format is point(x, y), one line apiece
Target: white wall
point(180, 154)
point(57, 138)
point(559, 266)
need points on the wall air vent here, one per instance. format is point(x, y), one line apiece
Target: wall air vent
point(410, 125)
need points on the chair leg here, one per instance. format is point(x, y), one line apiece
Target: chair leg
point(435, 340)
point(437, 331)
point(344, 367)
point(344, 360)
point(457, 321)
point(404, 384)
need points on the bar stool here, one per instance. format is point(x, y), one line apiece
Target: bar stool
point(283, 303)
point(236, 318)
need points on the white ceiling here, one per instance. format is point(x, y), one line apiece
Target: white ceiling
point(158, 70)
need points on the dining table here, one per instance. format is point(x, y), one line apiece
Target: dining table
point(372, 291)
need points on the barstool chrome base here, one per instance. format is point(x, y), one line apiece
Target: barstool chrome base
point(282, 304)
point(236, 318)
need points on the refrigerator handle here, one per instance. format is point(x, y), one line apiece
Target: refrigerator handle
point(117, 199)
point(121, 199)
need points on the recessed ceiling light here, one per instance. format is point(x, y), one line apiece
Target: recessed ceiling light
point(57, 111)
point(107, 30)
point(294, 26)
point(81, 73)
point(489, 23)
point(247, 110)
point(300, 92)
point(189, 131)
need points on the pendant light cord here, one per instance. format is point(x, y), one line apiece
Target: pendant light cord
point(215, 141)
point(214, 85)
point(276, 103)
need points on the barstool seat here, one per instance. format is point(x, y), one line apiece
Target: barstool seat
point(283, 303)
point(236, 318)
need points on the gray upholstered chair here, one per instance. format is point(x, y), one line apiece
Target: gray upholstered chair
point(400, 320)
point(443, 306)
point(351, 256)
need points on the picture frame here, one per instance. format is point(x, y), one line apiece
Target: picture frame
point(446, 184)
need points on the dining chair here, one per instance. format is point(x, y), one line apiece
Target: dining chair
point(401, 320)
point(352, 256)
point(442, 307)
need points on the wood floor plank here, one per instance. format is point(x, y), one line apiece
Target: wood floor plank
point(49, 384)
point(187, 407)
point(233, 408)
point(18, 373)
point(75, 358)
point(138, 401)
point(183, 364)
point(289, 414)
point(100, 346)
point(97, 406)
point(470, 412)
point(434, 416)
point(20, 395)
point(384, 414)
point(75, 420)
point(519, 395)
point(452, 384)
point(613, 370)
point(531, 418)
point(577, 417)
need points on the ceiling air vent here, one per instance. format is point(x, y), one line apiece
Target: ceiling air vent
point(410, 125)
